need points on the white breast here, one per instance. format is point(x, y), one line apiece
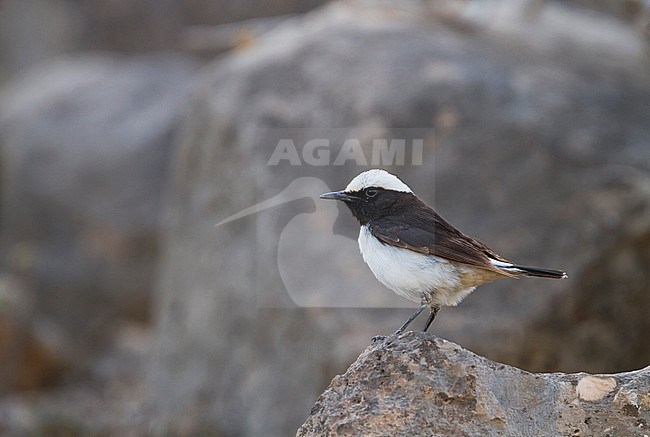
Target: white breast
point(411, 274)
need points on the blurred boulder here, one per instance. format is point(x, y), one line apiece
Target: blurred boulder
point(85, 144)
point(628, 10)
point(418, 384)
point(30, 357)
point(107, 400)
point(576, 32)
point(228, 11)
point(32, 31)
point(209, 41)
point(541, 154)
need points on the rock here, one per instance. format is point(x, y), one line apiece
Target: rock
point(85, 144)
point(209, 41)
point(34, 31)
point(227, 11)
point(627, 10)
point(106, 401)
point(539, 153)
point(419, 384)
point(30, 357)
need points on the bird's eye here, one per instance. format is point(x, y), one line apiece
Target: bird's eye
point(371, 192)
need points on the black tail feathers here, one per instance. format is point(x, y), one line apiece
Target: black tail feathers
point(543, 273)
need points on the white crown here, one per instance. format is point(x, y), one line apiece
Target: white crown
point(377, 178)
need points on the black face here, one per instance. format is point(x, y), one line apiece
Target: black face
point(372, 203)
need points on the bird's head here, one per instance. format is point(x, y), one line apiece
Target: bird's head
point(373, 194)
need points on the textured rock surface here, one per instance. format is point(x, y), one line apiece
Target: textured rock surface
point(539, 152)
point(85, 144)
point(418, 384)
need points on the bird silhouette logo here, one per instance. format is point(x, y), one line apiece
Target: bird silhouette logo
point(317, 267)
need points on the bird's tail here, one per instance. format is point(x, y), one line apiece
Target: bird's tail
point(515, 270)
point(536, 271)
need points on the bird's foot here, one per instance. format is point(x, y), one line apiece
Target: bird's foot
point(378, 338)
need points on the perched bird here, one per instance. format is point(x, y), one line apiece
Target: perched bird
point(415, 252)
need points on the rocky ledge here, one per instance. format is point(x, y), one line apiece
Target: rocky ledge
point(419, 384)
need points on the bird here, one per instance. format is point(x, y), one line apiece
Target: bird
point(416, 253)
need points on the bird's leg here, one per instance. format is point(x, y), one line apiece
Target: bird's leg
point(434, 312)
point(408, 322)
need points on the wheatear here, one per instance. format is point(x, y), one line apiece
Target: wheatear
point(415, 252)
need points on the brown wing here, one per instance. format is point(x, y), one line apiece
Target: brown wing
point(422, 230)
